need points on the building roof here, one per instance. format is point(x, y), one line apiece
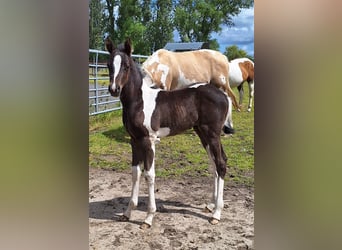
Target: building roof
point(186, 46)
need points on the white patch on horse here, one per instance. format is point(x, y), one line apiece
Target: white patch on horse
point(198, 85)
point(235, 75)
point(183, 82)
point(165, 71)
point(149, 102)
point(162, 132)
point(223, 79)
point(153, 59)
point(117, 66)
point(148, 80)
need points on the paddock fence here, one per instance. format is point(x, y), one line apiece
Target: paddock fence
point(100, 101)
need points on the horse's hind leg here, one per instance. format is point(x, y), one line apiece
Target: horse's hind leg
point(217, 159)
point(241, 92)
point(215, 149)
point(251, 94)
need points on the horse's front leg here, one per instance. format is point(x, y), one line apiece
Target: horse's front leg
point(136, 173)
point(150, 178)
point(133, 203)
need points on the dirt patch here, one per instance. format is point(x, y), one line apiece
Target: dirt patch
point(180, 222)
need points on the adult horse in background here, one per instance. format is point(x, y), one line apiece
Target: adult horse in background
point(149, 114)
point(175, 70)
point(242, 70)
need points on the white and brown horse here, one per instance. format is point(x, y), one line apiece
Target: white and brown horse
point(175, 70)
point(149, 114)
point(242, 70)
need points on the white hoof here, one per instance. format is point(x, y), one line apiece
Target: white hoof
point(145, 226)
point(214, 221)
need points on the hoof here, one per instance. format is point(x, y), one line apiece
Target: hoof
point(144, 226)
point(214, 221)
point(123, 218)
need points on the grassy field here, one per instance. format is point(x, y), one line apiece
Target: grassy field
point(177, 155)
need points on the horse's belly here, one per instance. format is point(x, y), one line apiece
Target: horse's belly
point(235, 76)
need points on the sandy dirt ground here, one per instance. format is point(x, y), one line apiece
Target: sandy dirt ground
point(180, 221)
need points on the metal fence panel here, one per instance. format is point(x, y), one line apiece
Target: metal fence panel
point(100, 101)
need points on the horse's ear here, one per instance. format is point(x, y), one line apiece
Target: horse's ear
point(109, 45)
point(128, 47)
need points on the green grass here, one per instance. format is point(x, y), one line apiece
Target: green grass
point(176, 155)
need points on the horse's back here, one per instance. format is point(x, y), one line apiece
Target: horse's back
point(204, 104)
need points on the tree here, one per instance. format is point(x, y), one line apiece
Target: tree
point(195, 20)
point(129, 24)
point(96, 24)
point(214, 45)
point(110, 19)
point(233, 52)
point(161, 25)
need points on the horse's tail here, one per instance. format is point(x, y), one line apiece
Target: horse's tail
point(232, 96)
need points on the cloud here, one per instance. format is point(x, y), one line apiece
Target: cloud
point(241, 34)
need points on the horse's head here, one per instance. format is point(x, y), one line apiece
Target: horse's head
point(118, 66)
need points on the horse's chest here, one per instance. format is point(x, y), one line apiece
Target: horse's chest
point(133, 122)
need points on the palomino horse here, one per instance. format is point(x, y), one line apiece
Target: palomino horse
point(149, 114)
point(175, 70)
point(241, 70)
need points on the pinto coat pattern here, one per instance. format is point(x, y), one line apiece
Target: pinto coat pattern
point(149, 114)
point(241, 70)
point(175, 70)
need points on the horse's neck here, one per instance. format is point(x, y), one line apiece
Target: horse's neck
point(132, 89)
point(136, 89)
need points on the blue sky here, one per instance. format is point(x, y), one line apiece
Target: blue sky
point(241, 34)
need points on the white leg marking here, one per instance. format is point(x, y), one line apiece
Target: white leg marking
point(251, 94)
point(150, 177)
point(136, 173)
point(219, 199)
point(117, 66)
